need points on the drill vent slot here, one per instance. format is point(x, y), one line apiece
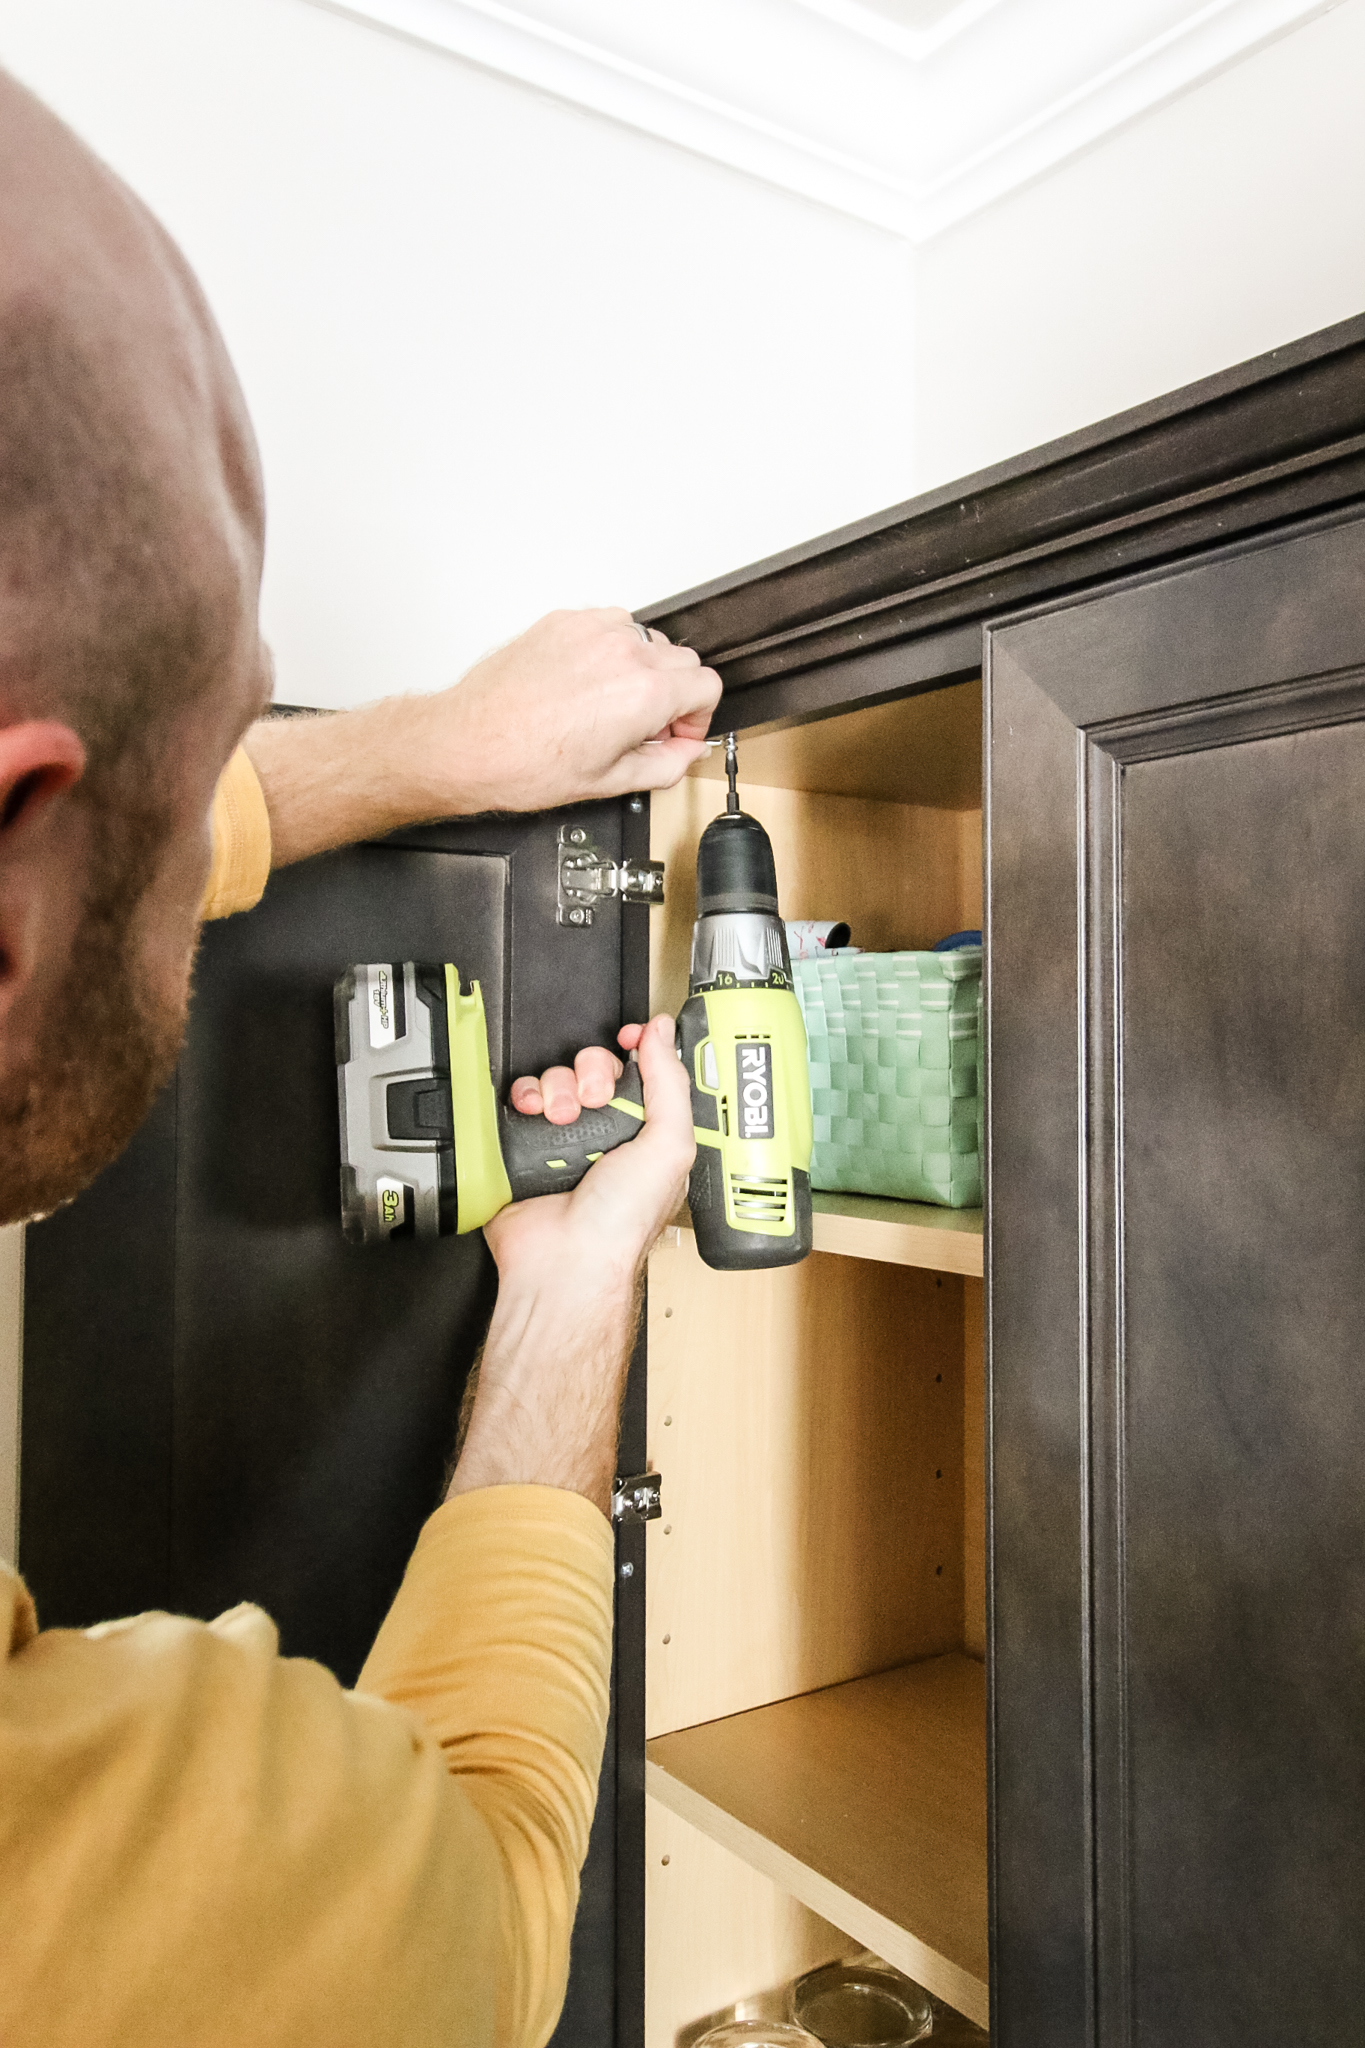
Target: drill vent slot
point(755, 1200)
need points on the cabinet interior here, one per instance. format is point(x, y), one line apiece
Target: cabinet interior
point(815, 1695)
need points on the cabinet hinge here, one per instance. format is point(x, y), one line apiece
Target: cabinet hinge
point(637, 1499)
point(586, 877)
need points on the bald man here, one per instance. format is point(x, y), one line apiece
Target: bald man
point(202, 1842)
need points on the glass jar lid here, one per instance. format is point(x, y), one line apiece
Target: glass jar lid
point(758, 2034)
point(861, 2005)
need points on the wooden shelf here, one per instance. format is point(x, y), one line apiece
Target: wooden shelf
point(867, 1802)
point(895, 1233)
point(902, 1233)
point(919, 750)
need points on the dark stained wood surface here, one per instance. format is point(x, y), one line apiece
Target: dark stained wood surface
point(1177, 1250)
point(1276, 439)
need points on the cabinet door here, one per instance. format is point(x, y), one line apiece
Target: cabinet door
point(225, 1401)
point(1176, 1003)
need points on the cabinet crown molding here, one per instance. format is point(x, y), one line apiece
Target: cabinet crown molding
point(906, 114)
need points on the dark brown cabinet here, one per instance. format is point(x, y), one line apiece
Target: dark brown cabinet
point(1036, 1663)
point(1177, 902)
point(1168, 612)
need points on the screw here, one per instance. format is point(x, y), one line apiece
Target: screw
point(663, 1859)
point(637, 804)
point(668, 1422)
point(668, 1639)
point(575, 917)
point(667, 1313)
point(668, 1528)
point(577, 836)
point(627, 1570)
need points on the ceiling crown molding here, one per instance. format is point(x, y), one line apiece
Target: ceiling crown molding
point(906, 42)
point(910, 130)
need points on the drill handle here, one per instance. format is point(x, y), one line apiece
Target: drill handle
point(548, 1159)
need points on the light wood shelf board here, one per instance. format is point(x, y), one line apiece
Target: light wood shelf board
point(902, 1233)
point(807, 1422)
point(917, 750)
point(893, 1233)
point(867, 1802)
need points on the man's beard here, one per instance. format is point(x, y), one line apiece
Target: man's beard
point(107, 1046)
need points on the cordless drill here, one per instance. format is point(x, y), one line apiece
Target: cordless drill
point(428, 1151)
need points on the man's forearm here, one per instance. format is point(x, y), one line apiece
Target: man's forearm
point(547, 1405)
point(583, 705)
point(553, 1372)
point(331, 780)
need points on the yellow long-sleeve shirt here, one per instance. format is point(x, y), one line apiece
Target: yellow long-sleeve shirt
point(206, 1845)
point(241, 840)
point(203, 1843)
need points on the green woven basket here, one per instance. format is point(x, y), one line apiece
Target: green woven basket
point(893, 1041)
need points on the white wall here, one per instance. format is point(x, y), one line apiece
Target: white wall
point(504, 354)
point(501, 354)
point(1218, 226)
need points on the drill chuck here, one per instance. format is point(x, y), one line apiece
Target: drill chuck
point(735, 868)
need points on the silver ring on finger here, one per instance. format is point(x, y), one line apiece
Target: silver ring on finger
point(643, 632)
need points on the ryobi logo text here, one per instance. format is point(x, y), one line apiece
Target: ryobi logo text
point(755, 1059)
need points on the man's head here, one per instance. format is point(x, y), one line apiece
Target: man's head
point(130, 662)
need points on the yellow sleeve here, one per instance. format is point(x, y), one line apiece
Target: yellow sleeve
point(203, 1843)
point(517, 1700)
point(241, 840)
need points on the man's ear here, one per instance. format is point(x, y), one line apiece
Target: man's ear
point(38, 760)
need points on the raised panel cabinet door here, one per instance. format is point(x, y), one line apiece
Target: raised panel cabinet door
point(225, 1401)
point(1176, 1077)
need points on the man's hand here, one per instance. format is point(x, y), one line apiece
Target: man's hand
point(567, 1299)
point(554, 1365)
point(578, 707)
point(589, 1083)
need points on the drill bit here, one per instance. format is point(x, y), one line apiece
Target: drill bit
point(731, 773)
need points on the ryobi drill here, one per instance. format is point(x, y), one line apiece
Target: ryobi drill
point(428, 1151)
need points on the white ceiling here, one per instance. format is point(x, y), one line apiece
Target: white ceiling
point(913, 13)
point(903, 24)
point(910, 114)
